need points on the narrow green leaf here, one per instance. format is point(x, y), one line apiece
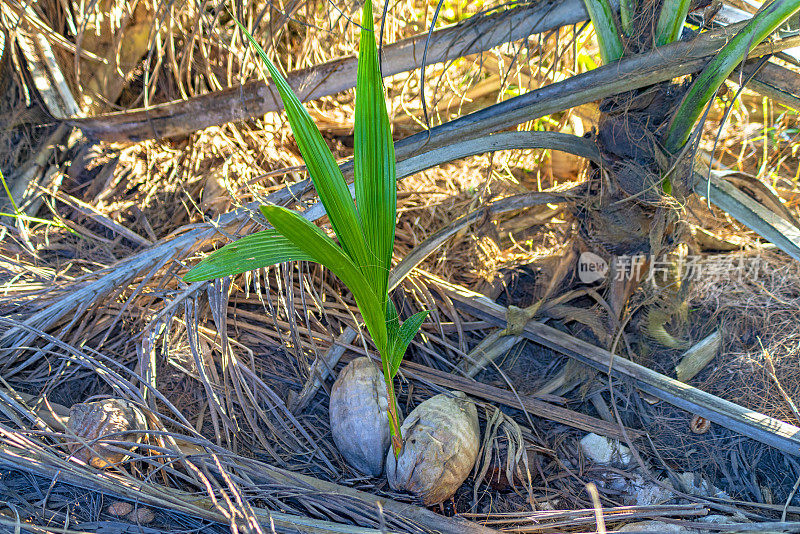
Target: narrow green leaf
point(605, 26)
point(392, 332)
point(307, 237)
point(627, 10)
point(251, 252)
point(405, 334)
point(392, 317)
point(719, 68)
point(8, 194)
point(373, 158)
point(322, 167)
point(671, 21)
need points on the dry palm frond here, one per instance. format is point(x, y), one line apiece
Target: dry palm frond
point(504, 453)
point(172, 457)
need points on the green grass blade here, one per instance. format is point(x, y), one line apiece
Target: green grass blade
point(8, 194)
point(374, 160)
point(671, 21)
point(707, 83)
point(251, 252)
point(325, 173)
point(605, 27)
point(312, 241)
point(405, 334)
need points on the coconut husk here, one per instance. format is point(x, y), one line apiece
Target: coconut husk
point(441, 439)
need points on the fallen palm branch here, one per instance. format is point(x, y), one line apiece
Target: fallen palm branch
point(666, 63)
point(537, 521)
point(773, 432)
point(776, 82)
point(20, 452)
point(91, 212)
point(770, 225)
point(47, 76)
point(255, 99)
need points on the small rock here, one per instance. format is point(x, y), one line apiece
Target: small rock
point(604, 451)
point(723, 519)
point(717, 519)
point(547, 506)
point(120, 508)
point(141, 516)
point(658, 527)
point(695, 484)
point(650, 495)
point(641, 492)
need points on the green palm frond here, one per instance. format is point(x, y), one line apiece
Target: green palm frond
point(307, 237)
point(251, 252)
point(365, 229)
point(322, 167)
point(706, 84)
point(671, 21)
point(374, 160)
point(605, 26)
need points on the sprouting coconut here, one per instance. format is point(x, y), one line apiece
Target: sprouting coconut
point(362, 259)
point(441, 439)
point(358, 414)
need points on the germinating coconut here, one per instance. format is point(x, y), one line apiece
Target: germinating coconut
point(359, 419)
point(441, 439)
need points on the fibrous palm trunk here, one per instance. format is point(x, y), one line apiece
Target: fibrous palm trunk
point(629, 219)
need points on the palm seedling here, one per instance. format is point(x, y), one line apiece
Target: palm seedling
point(365, 228)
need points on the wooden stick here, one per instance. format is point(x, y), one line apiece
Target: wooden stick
point(91, 212)
point(532, 405)
point(47, 76)
point(320, 370)
point(698, 356)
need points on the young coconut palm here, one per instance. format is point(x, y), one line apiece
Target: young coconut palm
point(365, 229)
point(644, 136)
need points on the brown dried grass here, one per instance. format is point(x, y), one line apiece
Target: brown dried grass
point(760, 336)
